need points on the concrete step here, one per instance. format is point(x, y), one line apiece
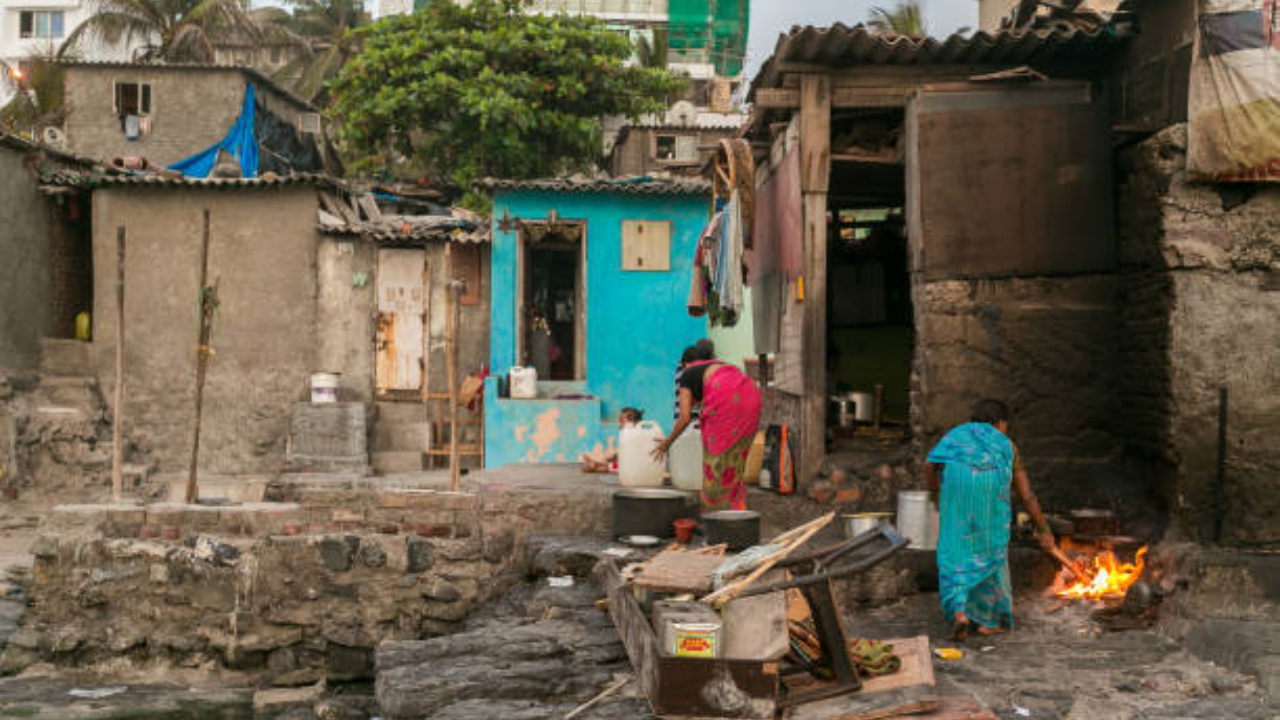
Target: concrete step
point(70, 391)
point(404, 412)
point(59, 356)
point(398, 461)
point(402, 436)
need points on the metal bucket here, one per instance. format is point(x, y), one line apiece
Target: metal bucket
point(917, 519)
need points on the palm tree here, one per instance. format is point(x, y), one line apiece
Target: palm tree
point(324, 28)
point(906, 18)
point(168, 30)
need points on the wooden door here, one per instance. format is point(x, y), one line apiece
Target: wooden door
point(402, 315)
point(1009, 181)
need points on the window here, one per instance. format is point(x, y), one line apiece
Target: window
point(646, 245)
point(675, 148)
point(132, 98)
point(665, 147)
point(40, 24)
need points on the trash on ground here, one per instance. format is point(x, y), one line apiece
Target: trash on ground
point(561, 581)
point(95, 693)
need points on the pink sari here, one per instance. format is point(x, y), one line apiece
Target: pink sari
point(730, 417)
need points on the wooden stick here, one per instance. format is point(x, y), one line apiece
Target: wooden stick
point(117, 431)
point(451, 370)
point(208, 299)
point(596, 700)
point(786, 537)
point(730, 591)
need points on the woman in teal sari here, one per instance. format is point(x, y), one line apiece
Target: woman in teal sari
point(975, 464)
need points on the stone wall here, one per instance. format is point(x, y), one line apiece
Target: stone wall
point(1202, 312)
point(263, 255)
point(1045, 346)
point(26, 302)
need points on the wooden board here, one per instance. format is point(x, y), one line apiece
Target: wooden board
point(909, 691)
point(954, 708)
point(679, 571)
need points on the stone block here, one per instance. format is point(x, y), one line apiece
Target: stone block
point(420, 554)
point(329, 429)
point(270, 704)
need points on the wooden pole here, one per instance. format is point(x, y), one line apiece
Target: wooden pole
point(451, 363)
point(208, 301)
point(815, 177)
point(117, 418)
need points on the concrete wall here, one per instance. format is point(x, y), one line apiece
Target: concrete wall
point(637, 322)
point(26, 294)
point(1048, 348)
point(264, 253)
point(542, 430)
point(1202, 278)
point(191, 109)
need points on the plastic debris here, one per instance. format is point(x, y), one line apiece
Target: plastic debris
point(1021, 711)
point(561, 581)
point(948, 653)
point(95, 693)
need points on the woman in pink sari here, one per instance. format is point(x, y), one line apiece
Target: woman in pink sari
point(730, 416)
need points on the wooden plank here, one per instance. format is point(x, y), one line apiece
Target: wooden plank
point(906, 692)
point(815, 176)
point(841, 97)
point(776, 99)
point(679, 571)
point(954, 708)
point(815, 133)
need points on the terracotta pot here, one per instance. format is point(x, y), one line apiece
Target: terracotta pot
point(684, 529)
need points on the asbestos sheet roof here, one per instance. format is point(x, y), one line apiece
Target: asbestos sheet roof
point(16, 142)
point(410, 229)
point(92, 180)
point(841, 46)
point(643, 185)
point(253, 75)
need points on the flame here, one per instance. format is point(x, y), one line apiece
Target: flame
point(1107, 578)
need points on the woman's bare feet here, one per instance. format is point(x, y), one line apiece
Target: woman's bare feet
point(984, 630)
point(961, 628)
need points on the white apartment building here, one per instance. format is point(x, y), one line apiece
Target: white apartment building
point(37, 28)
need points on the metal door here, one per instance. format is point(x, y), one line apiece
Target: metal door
point(402, 313)
point(1008, 181)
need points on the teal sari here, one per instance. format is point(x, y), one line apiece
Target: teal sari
point(973, 527)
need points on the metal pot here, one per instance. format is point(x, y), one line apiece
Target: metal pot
point(859, 523)
point(739, 529)
point(648, 511)
point(1094, 523)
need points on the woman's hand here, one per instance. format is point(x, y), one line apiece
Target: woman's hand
point(661, 446)
point(1044, 536)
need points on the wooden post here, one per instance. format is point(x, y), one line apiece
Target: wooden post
point(208, 302)
point(815, 177)
point(451, 365)
point(117, 418)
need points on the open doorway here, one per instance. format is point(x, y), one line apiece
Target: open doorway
point(552, 295)
point(870, 319)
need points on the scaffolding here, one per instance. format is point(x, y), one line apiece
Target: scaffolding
point(710, 31)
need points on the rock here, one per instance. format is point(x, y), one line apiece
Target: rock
point(339, 709)
point(274, 703)
point(563, 555)
point(335, 554)
point(372, 555)
point(442, 591)
point(421, 555)
point(498, 547)
point(345, 664)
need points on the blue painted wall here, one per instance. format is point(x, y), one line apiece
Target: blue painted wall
point(637, 322)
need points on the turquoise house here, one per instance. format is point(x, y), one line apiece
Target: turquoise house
point(590, 282)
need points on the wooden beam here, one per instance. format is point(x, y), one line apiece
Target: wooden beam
point(815, 178)
point(117, 418)
point(841, 97)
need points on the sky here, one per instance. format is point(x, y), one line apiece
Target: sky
point(769, 18)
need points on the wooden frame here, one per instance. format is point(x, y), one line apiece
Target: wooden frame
point(580, 295)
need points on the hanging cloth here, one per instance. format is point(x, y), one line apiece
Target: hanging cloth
point(240, 143)
point(731, 264)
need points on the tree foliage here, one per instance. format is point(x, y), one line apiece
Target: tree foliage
point(37, 100)
point(322, 28)
point(488, 90)
point(906, 18)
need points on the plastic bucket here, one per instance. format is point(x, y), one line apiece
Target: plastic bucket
point(324, 387)
point(917, 519)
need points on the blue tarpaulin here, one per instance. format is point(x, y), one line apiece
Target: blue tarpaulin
point(240, 143)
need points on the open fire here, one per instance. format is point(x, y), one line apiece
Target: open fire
point(1105, 577)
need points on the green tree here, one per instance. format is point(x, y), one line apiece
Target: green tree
point(170, 30)
point(323, 29)
point(488, 90)
point(906, 18)
point(37, 100)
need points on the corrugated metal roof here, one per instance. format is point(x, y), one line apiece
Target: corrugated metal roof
point(842, 46)
point(644, 185)
point(255, 75)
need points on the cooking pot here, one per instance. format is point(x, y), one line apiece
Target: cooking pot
point(648, 511)
point(739, 529)
point(859, 523)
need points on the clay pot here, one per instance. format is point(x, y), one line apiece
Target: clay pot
point(684, 529)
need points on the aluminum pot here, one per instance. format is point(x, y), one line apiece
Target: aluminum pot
point(648, 511)
point(739, 529)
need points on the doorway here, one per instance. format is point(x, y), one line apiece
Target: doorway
point(400, 360)
point(552, 299)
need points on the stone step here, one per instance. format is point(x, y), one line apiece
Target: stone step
point(402, 436)
point(60, 356)
point(398, 461)
point(404, 412)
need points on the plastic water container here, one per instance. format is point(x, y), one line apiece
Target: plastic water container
point(685, 460)
point(636, 465)
point(917, 519)
point(524, 383)
point(324, 387)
